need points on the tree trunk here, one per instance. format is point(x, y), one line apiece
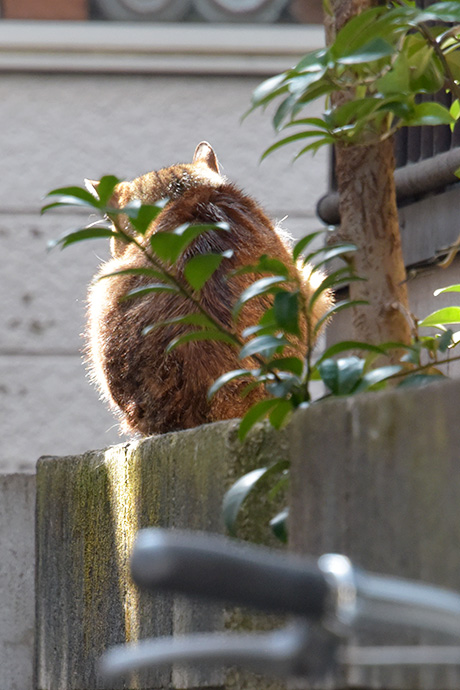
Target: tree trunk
point(369, 218)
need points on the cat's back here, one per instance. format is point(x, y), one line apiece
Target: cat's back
point(154, 391)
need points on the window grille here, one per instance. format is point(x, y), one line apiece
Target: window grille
point(419, 143)
point(266, 11)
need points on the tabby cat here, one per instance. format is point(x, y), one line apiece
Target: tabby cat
point(154, 392)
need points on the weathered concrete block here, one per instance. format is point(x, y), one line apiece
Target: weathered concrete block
point(17, 574)
point(89, 509)
point(377, 478)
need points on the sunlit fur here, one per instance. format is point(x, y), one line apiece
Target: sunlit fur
point(154, 392)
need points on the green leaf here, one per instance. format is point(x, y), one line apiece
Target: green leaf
point(445, 340)
point(324, 141)
point(441, 316)
point(355, 33)
point(453, 61)
point(449, 288)
point(346, 345)
point(354, 111)
point(268, 264)
point(339, 306)
point(440, 12)
point(70, 201)
point(292, 364)
point(200, 268)
point(304, 242)
point(266, 326)
point(265, 345)
point(226, 378)
point(429, 114)
point(341, 376)
point(426, 73)
point(149, 272)
point(168, 246)
point(269, 88)
point(312, 122)
point(278, 525)
point(77, 193)
point(375, 376)
point(147, 289)
point(283, 111)
point(205, 334)
point(329, 253)
point(454, 110)
point(237, 493)
point(397, 79)
point(91, 233)
point(145, 215)
point(311, 61)
point(375, 49)
point(260, 287)
point(280, 413)
point(301, 83)
point(286, 311)
point(265, 264)
point(419, 380)
point(257, 412)
point(106, 187)
point(261, 329)
point(289, 140)
point(283, 385)
point(334, 280)
point(186, 320)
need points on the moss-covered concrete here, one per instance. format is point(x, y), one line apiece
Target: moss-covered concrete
point(88, 511)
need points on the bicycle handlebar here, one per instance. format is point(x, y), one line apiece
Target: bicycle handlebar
point(340, 598)
point(293, 651)
point(221, 569)
point(331, 588)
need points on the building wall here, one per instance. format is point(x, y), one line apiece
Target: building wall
point(56, 129)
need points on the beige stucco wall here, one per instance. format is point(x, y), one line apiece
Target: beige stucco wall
point(56, 129)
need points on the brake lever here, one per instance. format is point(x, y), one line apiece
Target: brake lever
point(297, 650)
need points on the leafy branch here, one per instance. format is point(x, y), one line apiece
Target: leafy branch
point(379, 62)
point(287, 361)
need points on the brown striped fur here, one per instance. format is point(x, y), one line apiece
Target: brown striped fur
point(151, 391)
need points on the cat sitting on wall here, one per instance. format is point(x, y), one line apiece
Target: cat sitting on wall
point(152, 391)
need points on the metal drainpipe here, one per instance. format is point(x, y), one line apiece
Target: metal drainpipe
point(414, 179)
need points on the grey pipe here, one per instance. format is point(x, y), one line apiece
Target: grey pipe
point(429, 175)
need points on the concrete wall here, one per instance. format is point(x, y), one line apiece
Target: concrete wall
point(376, 477)
point(17, 581)
point(56, 129)
point(89, 509)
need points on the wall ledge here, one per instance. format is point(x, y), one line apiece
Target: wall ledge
point(88, 47)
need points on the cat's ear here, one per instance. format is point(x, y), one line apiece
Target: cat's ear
point(204, 153)
point(91, 186)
